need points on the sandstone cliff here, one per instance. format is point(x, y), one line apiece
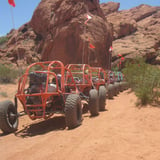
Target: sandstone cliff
point(136, 32)
point(57, 31)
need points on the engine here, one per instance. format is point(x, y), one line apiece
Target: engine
point(37, 82)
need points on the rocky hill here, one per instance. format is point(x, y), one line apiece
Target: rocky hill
point(136, 31)
point(58, 30)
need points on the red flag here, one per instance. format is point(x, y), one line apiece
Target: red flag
point(88, 18)
point(122, 58)
point(119, 55)
point(12, 3)
point(91, 46)
point(111, 49)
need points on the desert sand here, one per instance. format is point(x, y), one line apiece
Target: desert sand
point(122, 132)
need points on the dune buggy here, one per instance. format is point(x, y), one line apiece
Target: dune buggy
point(43, 90)
point(122, 81)
point(119, 80)
point(112, 89)
point(99, 80)
point(89, 93)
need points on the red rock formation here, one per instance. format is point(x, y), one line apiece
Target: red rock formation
point(57, 31)
point(122, 25)
point(110, 7)
point(136, 33)
point(64, 34)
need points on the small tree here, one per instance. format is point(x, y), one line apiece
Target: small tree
point(3, 39)
point(7, 74)
point(144, 80)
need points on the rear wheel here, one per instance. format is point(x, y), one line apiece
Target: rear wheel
point(102, 98)
point(117, 87)
point(8, 117)
point(126, 85)
point(110, 91)
point(121, 86)
point(93, 102)
point(73, 111)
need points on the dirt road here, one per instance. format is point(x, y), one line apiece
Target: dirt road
point(123, 132)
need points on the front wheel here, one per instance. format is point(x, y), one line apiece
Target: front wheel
point(102, 98)
point(73, 111)
point(8, 117)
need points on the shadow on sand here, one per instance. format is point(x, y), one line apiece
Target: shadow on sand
point(53, 124)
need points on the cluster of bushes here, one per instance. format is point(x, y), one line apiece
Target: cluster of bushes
point(7, 74)
point(144, 79)
point(3, 39)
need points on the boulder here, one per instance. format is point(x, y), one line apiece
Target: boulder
point(66, 37)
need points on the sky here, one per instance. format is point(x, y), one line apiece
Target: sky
point(11, 17)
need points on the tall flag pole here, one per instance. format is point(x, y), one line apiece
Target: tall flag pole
point(90, 45)
point(12, 3)
point(12, 15)
point(110, 57)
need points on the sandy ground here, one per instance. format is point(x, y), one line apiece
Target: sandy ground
point(123, 132)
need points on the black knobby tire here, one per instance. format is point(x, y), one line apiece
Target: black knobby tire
point(73, 111)
point(121, 86)
point(126, 85)
point(93, 102)
point(110, 90)
point(116, 84)
point(114, 90)
point(8, 117)
point(102, 98)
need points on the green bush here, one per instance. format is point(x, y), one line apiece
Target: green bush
point(144, 80)
point(3, 94)
point(7, 74)
point(3, 39)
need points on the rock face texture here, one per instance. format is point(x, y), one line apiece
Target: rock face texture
point(65, 36)
point(58, 32)
point(136, 32)
point(20, 47)
point(109, 7)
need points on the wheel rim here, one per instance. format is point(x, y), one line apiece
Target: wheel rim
point(11, 117)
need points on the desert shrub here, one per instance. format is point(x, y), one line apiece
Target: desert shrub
point(144, 80)
point(115, 68)
point(7, 74)
point(3, 94)
point(3, 39)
